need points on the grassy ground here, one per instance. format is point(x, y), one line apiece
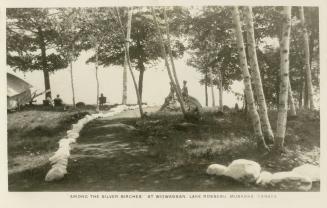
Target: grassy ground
point(33, 135)
point(162, 155)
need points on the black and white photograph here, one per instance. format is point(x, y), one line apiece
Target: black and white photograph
point(173, 98)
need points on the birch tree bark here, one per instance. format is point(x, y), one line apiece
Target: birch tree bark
point(284, 80)
point(220, 89)
point(96, 75)
point(263, 113)
point(164, 55)
point(206, 88)
point(126, 46)
point(124, 98)
point(247, 79)
point(212, 88)
point(291, 100)
point(307, 59)
point(71, 75)
point(178, 88)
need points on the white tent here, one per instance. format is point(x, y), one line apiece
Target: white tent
point(18, 92)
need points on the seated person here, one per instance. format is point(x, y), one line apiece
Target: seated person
point(48, 101)
point(57, 101)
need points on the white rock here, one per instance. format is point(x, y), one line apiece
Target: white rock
point(64, 143)
point(264, 178)
point(73, 135)
point(60, 166)
point(61, 161)
point(243, 170)
point(55, 174)
point(216, 169)
point(290, 181)
point(311, 171)
point(71, 140)
point(77, 127)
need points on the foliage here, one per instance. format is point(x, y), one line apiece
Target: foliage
point(29, 29)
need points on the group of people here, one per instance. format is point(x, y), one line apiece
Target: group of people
point(55, 102)
point(184, 91)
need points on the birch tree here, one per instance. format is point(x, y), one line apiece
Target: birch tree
point(212, 88)
point(220, 90)
point(178, 88)
point(247, 79)
point(307, 59)
point(124, 97)
point(126, 48)
point(263, 113)
point(164, 55)
point(284, 80)
point(291, 100)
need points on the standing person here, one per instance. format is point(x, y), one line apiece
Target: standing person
point(102, 99)
point(185, 91)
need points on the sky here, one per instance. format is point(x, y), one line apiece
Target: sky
point(155, 86)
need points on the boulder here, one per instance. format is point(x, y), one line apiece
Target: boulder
point(246, 171)
point(216, 169)
point(311, 171)
point(290, 181)
point(264, 178)
point(55, 174)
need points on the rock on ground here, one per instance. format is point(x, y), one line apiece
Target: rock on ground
point(246, 171)
point(264, 178)
point(216, 169)
point(290, 181)
point(311, 171)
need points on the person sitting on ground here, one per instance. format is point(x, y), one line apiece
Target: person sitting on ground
point(57, 101)
point(49, 101)
point(102, 100)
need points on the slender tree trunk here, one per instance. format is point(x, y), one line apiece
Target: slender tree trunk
point(263, 113)
point(212, 87)
point(96, 76)
point(179, 93)
point(220, 89)
point(247, 79)
point(284, 80)
point(291, 100)
point(124, 99)
point(44, 64)
point(164, 55)
point(141, 75)
point(126, 46)
point(206, 88)
point(307, 59)
point(306, 95)
point(72, 83)
point(71, 75)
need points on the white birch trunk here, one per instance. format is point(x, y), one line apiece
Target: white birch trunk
point(164, 55)
point(124, 99)
point(128, 35)
point(178, 88)
point(212, 88)
point(263, 113)
point(307, 59)
point(291, 100)
point(284, 79)
point(247, 79)
point(96, 76)
point(220, 89)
